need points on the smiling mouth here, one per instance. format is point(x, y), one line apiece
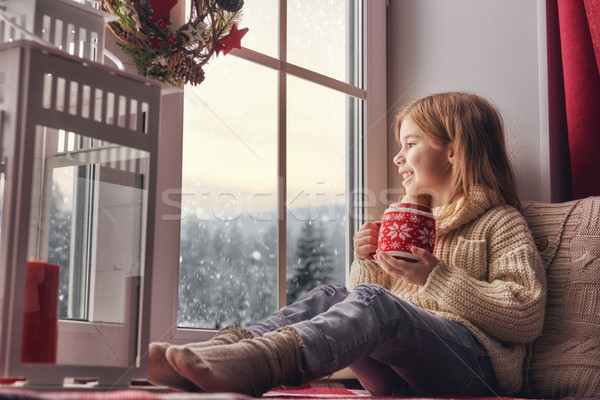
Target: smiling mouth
point(407, 175)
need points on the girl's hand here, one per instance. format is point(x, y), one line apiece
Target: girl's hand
point(365, 240)
point(411, 272)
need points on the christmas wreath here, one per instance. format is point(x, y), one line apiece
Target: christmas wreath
point(175, 56)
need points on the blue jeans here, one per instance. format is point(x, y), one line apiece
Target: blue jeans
point(393, 346)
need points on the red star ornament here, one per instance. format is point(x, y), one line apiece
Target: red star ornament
point(161, 9)
point(232, 40)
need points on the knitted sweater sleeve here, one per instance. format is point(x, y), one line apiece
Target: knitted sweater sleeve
point(507, 299)
point(365, 271)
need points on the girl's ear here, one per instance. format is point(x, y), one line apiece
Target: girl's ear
point(451, 153)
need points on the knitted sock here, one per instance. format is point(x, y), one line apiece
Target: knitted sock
point(160, 371)
point(251, 366)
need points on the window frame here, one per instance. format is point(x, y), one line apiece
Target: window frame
point(368, 179)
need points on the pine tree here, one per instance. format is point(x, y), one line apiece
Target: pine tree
point(314, 261)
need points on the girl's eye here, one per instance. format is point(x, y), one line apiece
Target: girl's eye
point(409, 145)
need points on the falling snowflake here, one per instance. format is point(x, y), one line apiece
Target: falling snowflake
point(427, 236)
point(401, 231)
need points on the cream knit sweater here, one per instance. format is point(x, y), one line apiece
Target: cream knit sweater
point(490, 278)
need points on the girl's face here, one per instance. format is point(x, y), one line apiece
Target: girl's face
point(426, 168)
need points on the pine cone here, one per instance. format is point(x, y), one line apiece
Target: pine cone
point(231, 5)
point(195, 74)
point(177, 63)
point(183, 67)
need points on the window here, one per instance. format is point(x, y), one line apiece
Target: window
point(230, 259)
point(249, 131)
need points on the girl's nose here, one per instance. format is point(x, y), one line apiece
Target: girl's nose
point(399, 159)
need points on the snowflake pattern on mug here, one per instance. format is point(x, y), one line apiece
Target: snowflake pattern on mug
point(400, 231)
point(395, 245)
point(404, 226)
point(426, 236)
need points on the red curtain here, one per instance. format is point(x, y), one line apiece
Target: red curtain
point(574, 58)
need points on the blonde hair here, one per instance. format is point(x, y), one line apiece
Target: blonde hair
point(475, 128)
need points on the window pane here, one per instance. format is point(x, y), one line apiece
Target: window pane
point(262, 19)
point(229, 223)
point(317, 36)
point(316, 168)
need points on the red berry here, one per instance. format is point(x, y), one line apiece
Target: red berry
point(172, 39)
point(162, 24)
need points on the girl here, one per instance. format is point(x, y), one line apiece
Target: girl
point(456, 322)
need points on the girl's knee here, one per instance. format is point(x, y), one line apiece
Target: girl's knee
point(368, 291)
point(332, 289)
point(327, 293)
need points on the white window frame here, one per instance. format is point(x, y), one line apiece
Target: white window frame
point(370, 173)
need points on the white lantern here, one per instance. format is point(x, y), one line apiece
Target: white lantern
point(78, 181)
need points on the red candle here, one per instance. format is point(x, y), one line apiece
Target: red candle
point(40, 322)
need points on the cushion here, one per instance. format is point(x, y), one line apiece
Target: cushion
point(565, 359)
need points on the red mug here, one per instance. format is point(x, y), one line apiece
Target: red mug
point(404, 225)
